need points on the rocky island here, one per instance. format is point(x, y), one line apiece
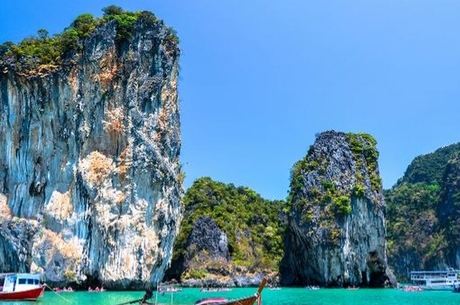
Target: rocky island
point(336, 230)
point(91, 182)
point(90, 178)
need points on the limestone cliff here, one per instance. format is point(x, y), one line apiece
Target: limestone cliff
point(90, 179)
point(423, 208)
point(448, 213)
point(336, 231)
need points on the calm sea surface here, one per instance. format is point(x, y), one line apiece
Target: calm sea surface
point(285, 296)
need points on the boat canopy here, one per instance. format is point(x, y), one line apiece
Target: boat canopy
point(20, 282)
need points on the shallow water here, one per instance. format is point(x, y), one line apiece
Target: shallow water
point(285, 296)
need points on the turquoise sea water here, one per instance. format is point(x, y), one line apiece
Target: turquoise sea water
point(285, 296)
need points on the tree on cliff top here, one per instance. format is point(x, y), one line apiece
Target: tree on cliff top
point(50, 52)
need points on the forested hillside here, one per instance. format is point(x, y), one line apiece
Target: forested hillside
point(250, 237)
point(423, 209)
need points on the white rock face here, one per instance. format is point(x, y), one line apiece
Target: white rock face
point(90, 155)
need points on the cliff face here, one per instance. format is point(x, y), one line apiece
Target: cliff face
point(336, 231)
point(89, 165)
point(207, 237)
point(448, 212)
point(423, 209)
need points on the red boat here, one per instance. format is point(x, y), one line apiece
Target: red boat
point(21, 286)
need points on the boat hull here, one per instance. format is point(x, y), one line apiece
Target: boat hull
point(249, 300)
point(437, 287)
point(26, 295)
point(245, 301)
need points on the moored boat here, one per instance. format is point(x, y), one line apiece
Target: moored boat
point(457, 288)
point(169, 289)
point(274, 286)
point(436, 280)
point(218, 289)
point(250, 300)
point(21, 286)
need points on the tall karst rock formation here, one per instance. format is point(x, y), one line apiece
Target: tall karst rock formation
point(336, 231)
point(90, 179)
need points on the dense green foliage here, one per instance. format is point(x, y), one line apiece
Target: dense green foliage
point(364, 148)
point(423, 209)
point(44, 52)
point(412, 226)
point(429, 168)
point(252, 224)
point(125, 20)
point(449, 209)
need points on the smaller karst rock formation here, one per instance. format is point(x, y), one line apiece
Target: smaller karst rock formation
point(336, 231)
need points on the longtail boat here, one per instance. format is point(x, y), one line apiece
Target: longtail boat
point(250, 300)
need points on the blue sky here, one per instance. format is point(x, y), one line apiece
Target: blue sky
point(260, 78)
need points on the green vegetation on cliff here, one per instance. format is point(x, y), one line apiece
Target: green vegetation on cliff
point(43, 52)
point(423, 209)
point(412, 226)
point(364, 148)
point(337, 167)
point(429, 168)
point(365, 156)
point(252, 224)
point(449, 209)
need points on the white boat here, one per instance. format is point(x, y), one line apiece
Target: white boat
point(436, 280)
